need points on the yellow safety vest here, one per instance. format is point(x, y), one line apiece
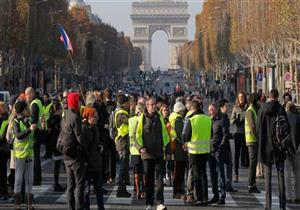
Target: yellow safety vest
point(139, 132)
point(40, 107)
point(250, 137)
point(189, 113)
point(123, 129)
point(172, 120)
point(132, 124)
point(24, 147)
point(3, 128)
point(201, 134)
point(46, 112)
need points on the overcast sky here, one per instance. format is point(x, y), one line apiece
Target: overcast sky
point(117, 13)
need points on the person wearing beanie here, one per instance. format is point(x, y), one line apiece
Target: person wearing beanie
point(121, 117)
point(94, 146)
point(180, 156)
point(74, 157)
point(23, 153)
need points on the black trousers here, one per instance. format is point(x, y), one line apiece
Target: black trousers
point(4, 155)
point(123, 168)
point(37, 169)
point(178, 176)
point(240, 151)
point(216, 166)
point(198, 163)
point(153, 170)
point(252, 149)
point(94, 176)
point(75, 171)
point(268, 184)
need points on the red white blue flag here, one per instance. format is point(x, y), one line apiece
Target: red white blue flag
point(65, 39)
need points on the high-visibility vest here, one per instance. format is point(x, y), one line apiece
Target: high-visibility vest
point(122, 129)
point(189, 113)
point(250, 137)
point(172, 120)
point(3, 127)
point(40, 107)
point(24, 147)
point(201, 134)
point(139, 132)
point(46, 112)
point(132, 124)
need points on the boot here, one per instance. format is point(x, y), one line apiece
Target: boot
point(29, 202)
point(17, 201)
point(137, 185)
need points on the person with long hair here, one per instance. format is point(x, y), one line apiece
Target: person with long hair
point(238, 121)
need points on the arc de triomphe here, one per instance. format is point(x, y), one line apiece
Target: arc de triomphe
point(149, 16)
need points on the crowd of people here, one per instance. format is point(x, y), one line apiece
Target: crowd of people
point(161, 138)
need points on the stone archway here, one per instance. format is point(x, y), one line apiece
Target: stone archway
point(150, 16)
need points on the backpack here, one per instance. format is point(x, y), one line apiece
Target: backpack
point(282, 140)
point(112, 126)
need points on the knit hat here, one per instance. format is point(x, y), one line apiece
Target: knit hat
point(90, 99)
point(88, 112)
point(123, 99)
point(20, 106)
point(73, 101)
point(178, 107)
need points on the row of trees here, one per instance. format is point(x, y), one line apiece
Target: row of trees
point(31, 52)
point(250, 34)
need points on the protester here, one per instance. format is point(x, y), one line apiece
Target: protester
point(238, 121)
point(268, 154)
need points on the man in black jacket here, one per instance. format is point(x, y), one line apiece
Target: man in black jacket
point(267, 153)
point(73, 140)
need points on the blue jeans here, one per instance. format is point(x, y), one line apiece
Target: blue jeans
point(97, 181)
point(216, 161)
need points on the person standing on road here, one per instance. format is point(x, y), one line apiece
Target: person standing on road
point(197, 134)
point(153, 143)
point(220, 134)
point(238, 121)
point(292, 163)
point(268, 154)
point(36, 113)
point(227, 149)
point(251, 140)
point(180, 156)
point(74, 156)
point(23, 153)
point(94, 147)
point(121, 117)
point(135, 155)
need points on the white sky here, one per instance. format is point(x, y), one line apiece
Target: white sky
point(117, 13)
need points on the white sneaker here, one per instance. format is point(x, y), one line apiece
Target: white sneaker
point(149, 207)
point(161, 207)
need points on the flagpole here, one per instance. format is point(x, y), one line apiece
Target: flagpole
point(75, 72)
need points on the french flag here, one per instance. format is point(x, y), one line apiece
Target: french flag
point(65, 39)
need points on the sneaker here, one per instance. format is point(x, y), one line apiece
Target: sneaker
point(161, 207)
point(213, 200)
point(253, 190)
point(123, 194)
point(221, 202)
point(149, 207)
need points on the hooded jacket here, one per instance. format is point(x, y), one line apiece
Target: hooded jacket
point(266, 131)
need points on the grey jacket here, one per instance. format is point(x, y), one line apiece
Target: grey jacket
point(237, 119)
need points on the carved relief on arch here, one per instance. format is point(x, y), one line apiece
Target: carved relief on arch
point(140, 31)
point(154, 28)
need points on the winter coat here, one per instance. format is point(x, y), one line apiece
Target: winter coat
point(179, 153)
point(294, 121)
point(93, 145)
point(238, 119)
point(266, 132)
point(71, 134)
